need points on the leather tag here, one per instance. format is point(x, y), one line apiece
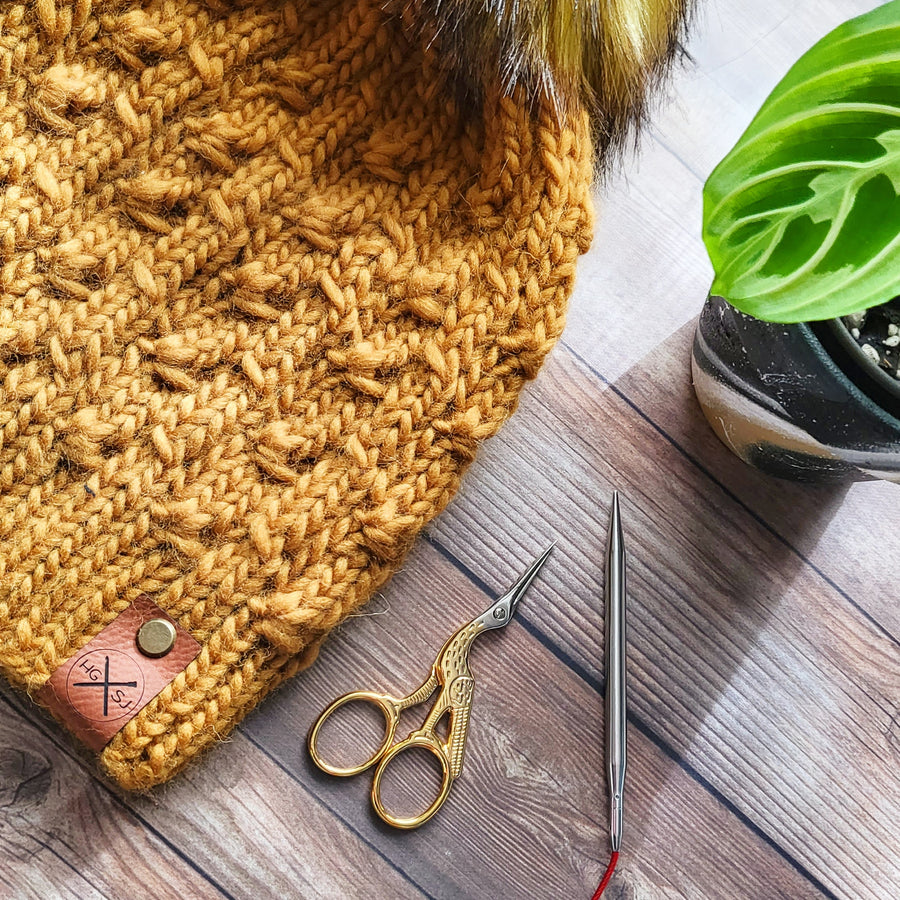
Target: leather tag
point(109, 681)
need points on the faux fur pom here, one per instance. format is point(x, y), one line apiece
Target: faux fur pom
point(604, 55)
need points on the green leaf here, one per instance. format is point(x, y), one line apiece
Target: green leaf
point(802, 218)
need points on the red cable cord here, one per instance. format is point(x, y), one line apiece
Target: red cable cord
point(607, 875)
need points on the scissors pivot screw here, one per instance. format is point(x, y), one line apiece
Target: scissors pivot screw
point(499, 613)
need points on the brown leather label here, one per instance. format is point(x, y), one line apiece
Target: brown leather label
point(109, 681)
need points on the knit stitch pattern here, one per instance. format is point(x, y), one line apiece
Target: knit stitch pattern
point(264, 287)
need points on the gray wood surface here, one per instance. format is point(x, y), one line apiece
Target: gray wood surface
point(765, 709)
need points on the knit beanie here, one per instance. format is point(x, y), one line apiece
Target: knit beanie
point(269, 276)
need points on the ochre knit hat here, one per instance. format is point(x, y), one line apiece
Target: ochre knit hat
point(264, 289)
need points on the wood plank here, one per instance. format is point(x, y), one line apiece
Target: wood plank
point(64, 835)
point(647, 272)
point(237, 819)
point(739, 52)
point(751, 665)
point(848, 532)
point(527, 818)
point(774, 689)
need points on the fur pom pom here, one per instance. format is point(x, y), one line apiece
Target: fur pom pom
point(604, 55)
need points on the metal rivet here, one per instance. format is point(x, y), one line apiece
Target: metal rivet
point(156, 637)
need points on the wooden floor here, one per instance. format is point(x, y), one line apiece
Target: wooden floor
point(764, 620)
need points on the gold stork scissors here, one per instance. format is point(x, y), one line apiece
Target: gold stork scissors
point(450, 673)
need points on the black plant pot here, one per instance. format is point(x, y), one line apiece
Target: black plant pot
point(797, 401)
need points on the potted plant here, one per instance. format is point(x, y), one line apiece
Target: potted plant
point(796, 354)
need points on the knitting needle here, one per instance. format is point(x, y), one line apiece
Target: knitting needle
point(614, 596)
point(615, 672)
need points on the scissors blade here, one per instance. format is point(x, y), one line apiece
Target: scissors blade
point(504, 608)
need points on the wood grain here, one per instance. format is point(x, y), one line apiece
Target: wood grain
point(747, 659)
point(527, 818)
point(64, 836)
point(847, 532)
point(764, 735)
point(647, 272)
point(239, 827)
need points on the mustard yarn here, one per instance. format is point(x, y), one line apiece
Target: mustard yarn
point(264, 287)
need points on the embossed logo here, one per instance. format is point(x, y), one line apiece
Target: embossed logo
point(97, 692)
point(104, 685)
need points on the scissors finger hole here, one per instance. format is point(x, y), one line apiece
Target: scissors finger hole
point(352, 735)
point(411, 783)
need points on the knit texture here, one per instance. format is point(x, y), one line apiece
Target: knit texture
point(264, 288)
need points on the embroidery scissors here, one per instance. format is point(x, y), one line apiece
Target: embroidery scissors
point(451, 676)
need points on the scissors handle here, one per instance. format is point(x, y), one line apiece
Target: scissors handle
point(391, 707)
point(424, 740)
point(461, 697)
